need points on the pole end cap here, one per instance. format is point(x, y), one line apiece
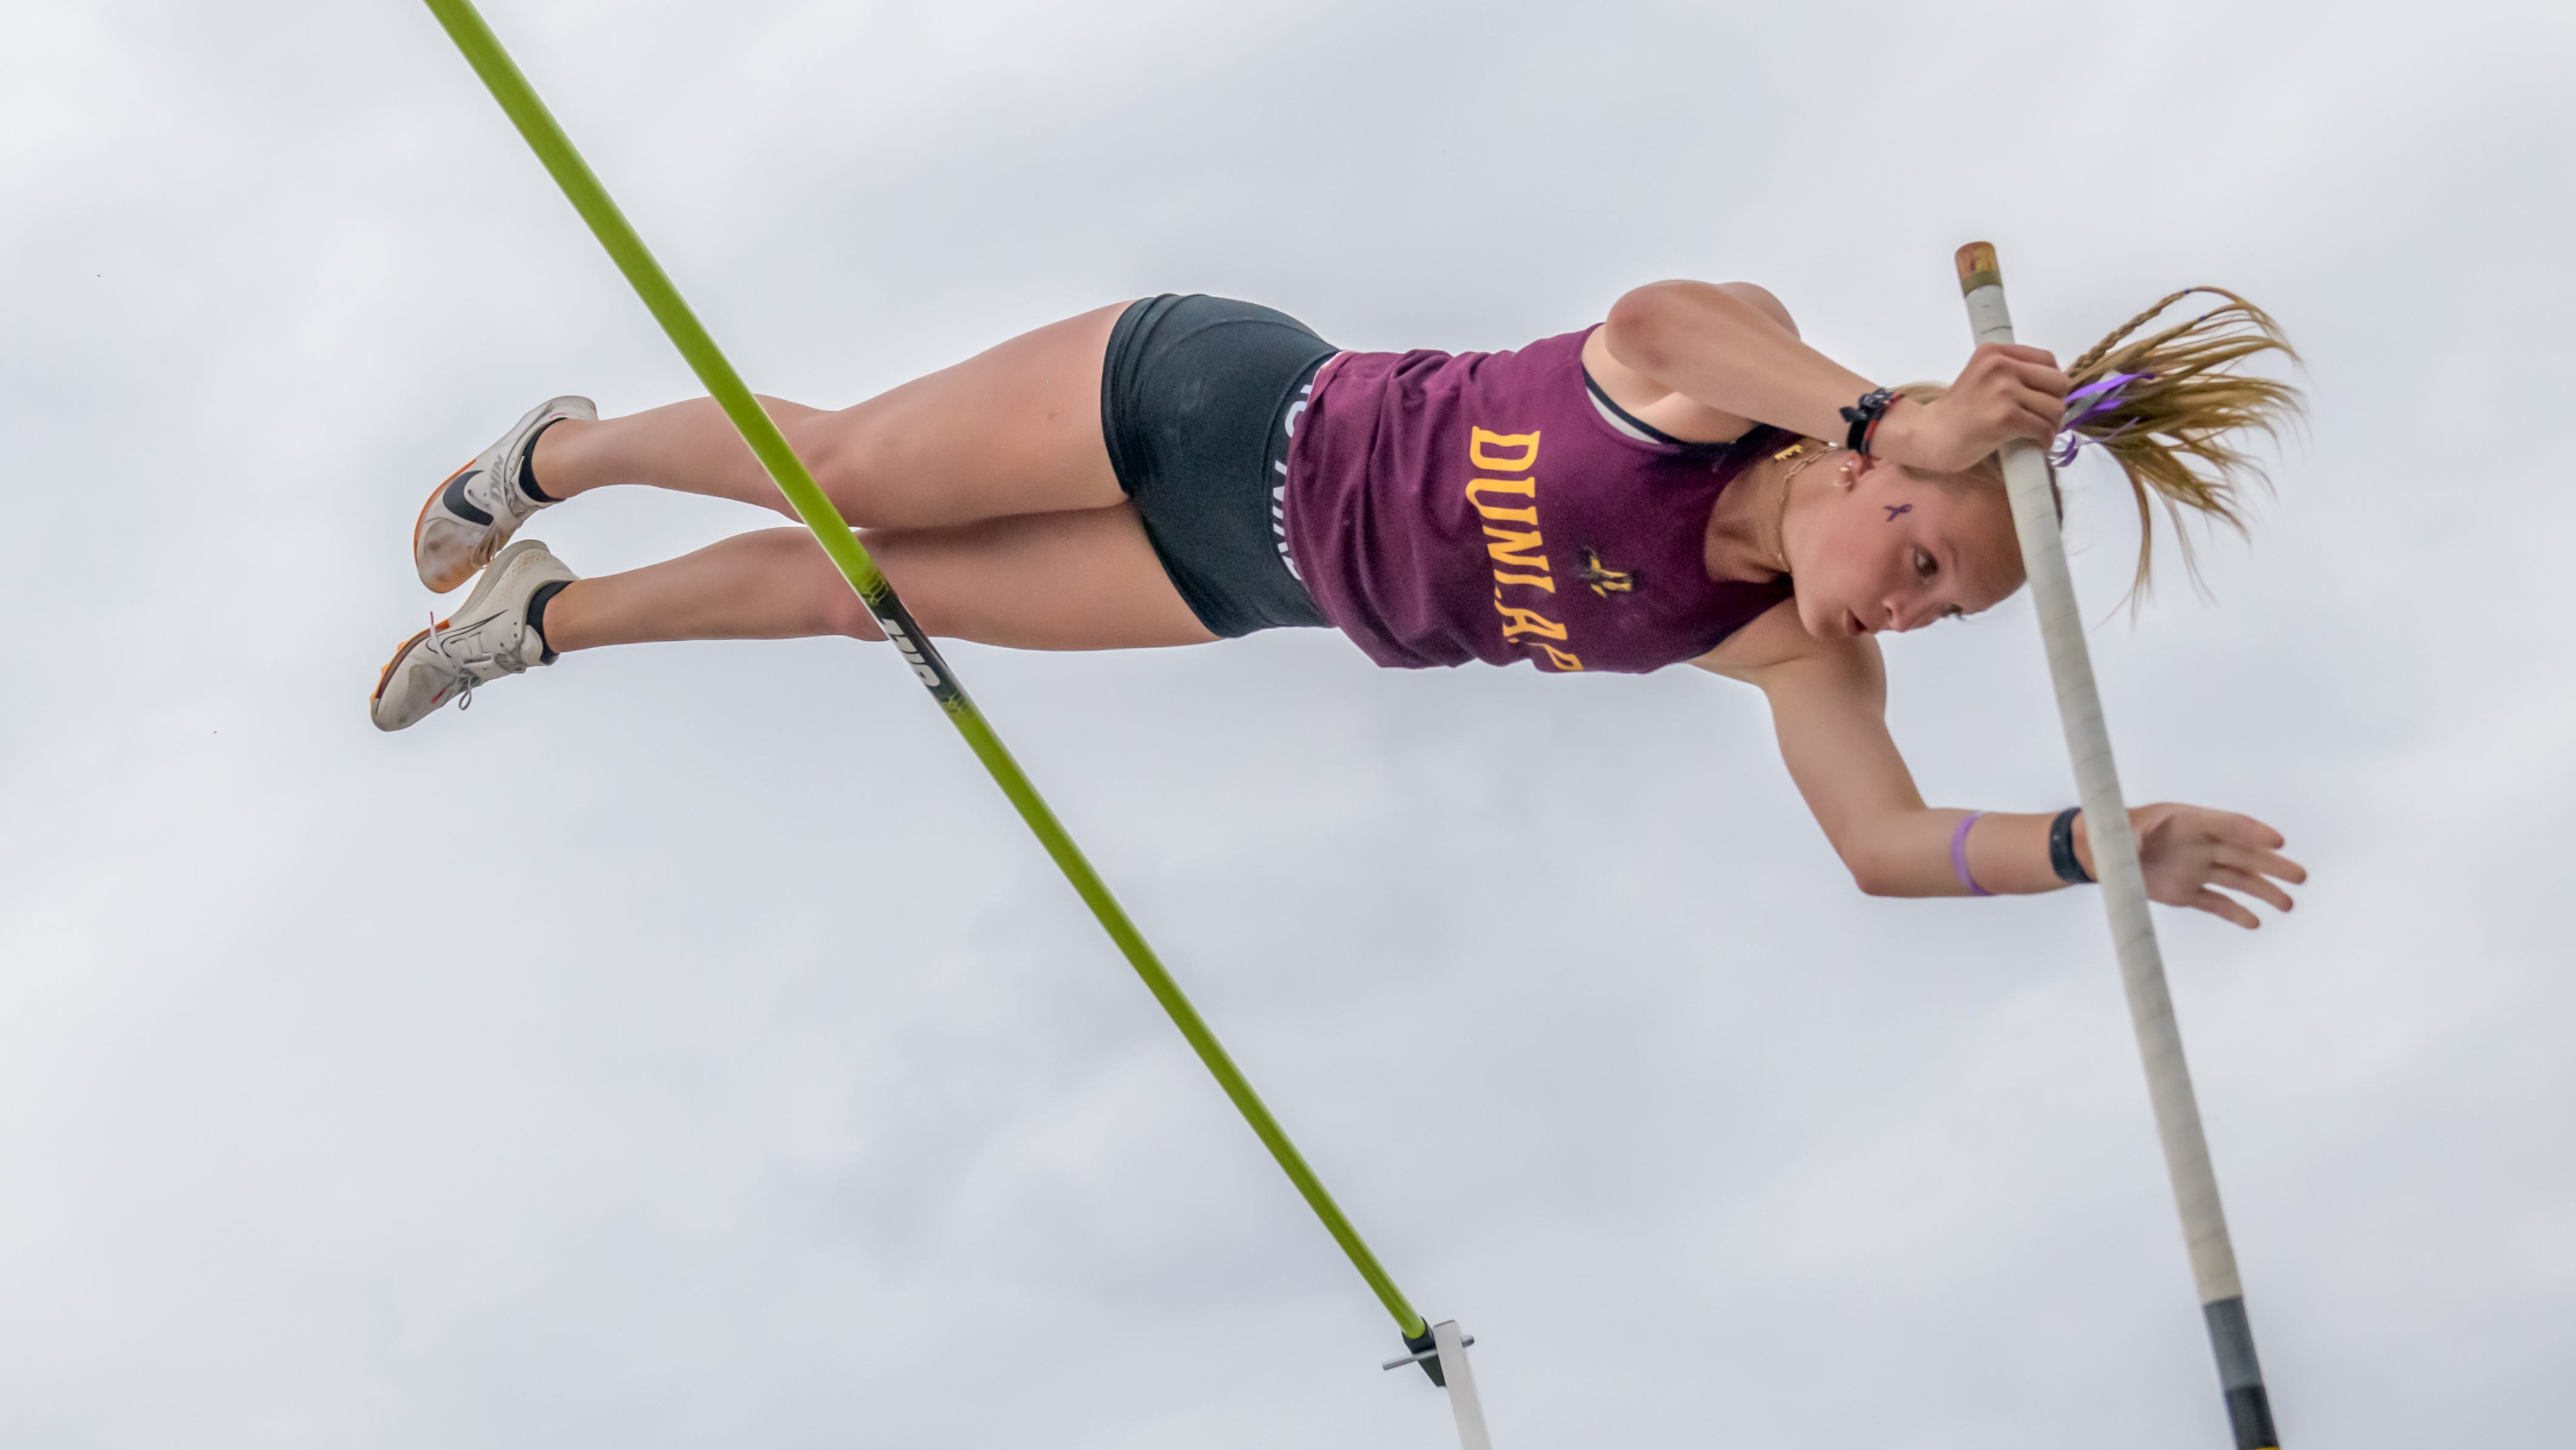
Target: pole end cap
point(1978, 267)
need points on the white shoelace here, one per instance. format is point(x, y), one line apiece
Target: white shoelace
point(464, 665)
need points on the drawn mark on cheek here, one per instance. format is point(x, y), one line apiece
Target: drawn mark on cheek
point(1893, 509)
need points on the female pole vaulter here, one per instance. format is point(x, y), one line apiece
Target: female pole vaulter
point(1684, 483)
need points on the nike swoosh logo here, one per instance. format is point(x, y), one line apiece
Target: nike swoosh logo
point(459, 505)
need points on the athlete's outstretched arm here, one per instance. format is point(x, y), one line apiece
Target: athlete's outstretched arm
point(1829, 707)
point(1730, 347)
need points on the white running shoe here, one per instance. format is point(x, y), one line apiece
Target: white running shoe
point(485, 639)
point(470, 516)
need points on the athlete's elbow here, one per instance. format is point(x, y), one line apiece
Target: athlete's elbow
point(1875, 883)
point(1872, 872)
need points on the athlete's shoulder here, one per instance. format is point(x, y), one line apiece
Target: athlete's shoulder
point(1762, 300)
point(1775, 640)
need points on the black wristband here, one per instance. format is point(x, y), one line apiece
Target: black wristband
point(2061, 849)
point(1863, 417)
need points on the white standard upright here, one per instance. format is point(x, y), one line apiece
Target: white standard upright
point(2124, 893)
point(1462, 1386)
point(1441, 1352)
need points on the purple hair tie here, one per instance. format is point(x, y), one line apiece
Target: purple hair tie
point(2092, 401)
point(1959, 855)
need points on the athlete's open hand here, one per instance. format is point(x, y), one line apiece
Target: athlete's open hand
point(2189, 852)
point(2005, 391)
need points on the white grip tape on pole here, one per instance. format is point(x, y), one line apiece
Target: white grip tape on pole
point(2115, 848)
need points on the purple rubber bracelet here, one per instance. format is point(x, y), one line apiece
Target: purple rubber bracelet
point(1959, 855)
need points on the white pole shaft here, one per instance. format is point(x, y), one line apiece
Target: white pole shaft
point(2106, 821)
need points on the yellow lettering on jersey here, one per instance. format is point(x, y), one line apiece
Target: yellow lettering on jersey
point(1516, 548)
point(1524, 487)
point(1518, 622)
point(1518, 560)
point(1481, 455)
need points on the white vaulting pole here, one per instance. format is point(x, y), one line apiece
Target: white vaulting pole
point(2124, 893)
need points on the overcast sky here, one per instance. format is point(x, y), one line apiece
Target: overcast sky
point(687, 1047)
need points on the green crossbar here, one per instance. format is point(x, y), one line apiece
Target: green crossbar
point(519, 101)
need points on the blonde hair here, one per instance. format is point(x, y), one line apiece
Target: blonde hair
point(2175, 431)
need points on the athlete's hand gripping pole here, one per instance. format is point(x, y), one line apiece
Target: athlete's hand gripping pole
point(519, 101)
point(2124, 892)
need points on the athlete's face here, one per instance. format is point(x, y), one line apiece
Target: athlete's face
point(1885, 548)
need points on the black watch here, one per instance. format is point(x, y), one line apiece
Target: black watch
point(2061, 849)
point(1863, 417)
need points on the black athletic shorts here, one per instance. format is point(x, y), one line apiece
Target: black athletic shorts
point(1196, 400)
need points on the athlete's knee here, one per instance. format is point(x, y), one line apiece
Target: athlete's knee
point(844, 613)
point(854, 455)
point(918, 562)
point(803, 585)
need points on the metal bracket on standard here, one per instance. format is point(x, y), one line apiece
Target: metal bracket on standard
point(1426, 1353)
point(1441, 1350)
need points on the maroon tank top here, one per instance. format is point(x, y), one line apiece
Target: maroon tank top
point(1447, 507)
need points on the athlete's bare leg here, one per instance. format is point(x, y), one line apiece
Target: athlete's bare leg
point(1077, 580)
point(1012, 430)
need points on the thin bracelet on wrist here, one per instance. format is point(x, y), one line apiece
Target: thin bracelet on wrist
point(2061, 849)
point(1959, 855)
